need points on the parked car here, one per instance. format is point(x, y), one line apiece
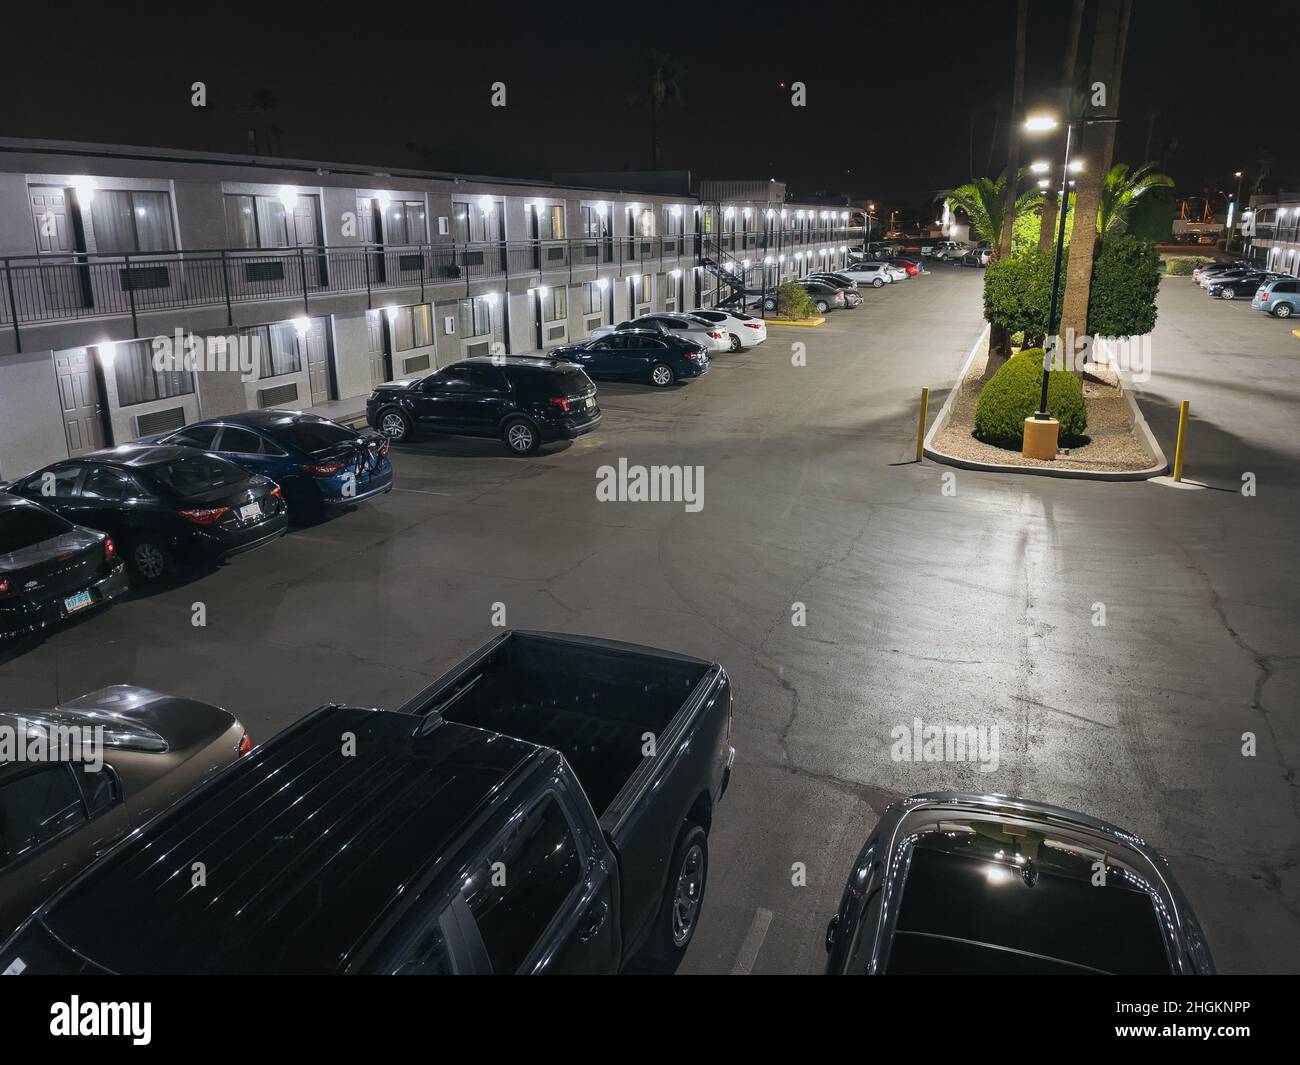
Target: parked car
point(319, 464)
point(638, 355)
point(986, 884)
point(847, 288)
point(911, 267)
point(58, 814)
point(1230, 287)
point(825, 297)
point(874, 274)
point(743, 330)
point(976, 257)
point(705, 333)
point(51, 569)
point(1218, 267)
point(1280, 298)
point(1231, 274)
point(525, 401)
point(528, 759)
point(164, 505)
point(833, 277)
point(946, 249)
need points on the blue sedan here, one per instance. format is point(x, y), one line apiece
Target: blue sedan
point(321, 465)
point(638, 355)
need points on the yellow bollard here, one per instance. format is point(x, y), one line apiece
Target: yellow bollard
point(920, 426)
point(1178, 447)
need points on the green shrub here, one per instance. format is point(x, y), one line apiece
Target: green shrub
point(1125, 277)
point(1011, 395)
point(793, 302)
point(1183, 265)
point(1018, 290)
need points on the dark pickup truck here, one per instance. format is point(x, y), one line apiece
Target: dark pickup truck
point(542, 808)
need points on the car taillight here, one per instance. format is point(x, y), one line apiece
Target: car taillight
point(322, 469)
point(1263, 297)
point(692, 355)
point(383, 449)
point(716, 336)
point(275, 491)
point(204, 515)
point(110, 549)
point(751, 325)
point(563, 403)
point(245, 744)
point(5, 587)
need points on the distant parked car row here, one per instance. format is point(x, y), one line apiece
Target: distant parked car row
point(1275, 293)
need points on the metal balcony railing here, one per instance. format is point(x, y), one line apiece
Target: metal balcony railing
point(45, 289)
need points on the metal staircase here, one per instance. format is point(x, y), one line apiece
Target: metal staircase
point(729, 272)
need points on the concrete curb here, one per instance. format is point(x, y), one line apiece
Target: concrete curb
point(1159, 466)
point(789, 321)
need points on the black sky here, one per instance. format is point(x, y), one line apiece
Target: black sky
point(890, 87)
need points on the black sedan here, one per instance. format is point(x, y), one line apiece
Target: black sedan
point(319, 464)
point(638, 355)
point(1232, 287)
point(963, 884)
point(522, 401)
point(162, 504)
point(51, 569)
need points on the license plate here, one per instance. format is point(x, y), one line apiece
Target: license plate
point(590, 402)
point(250, 512)
point(77, 602)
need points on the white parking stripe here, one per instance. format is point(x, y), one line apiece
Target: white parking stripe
point(753, 942)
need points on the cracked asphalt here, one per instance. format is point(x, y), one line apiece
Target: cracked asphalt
point(968, 609)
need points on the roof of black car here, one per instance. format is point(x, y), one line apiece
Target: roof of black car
point(534, 362)
point(304, 848)
point(139, 455)
point(268, 417)
point(7, 501)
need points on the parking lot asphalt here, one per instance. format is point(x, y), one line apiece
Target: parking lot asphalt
point(962, 600)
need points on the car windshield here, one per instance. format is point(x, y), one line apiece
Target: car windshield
point(22, 527)
point(197, 474)
point(120, 733)
point(314, 435)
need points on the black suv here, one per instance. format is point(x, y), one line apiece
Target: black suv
point(524, 401)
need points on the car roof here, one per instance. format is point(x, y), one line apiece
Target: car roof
point(13, 502)
point(264, 418)
point(515, 362)
point(307, 850)
point(136, 456)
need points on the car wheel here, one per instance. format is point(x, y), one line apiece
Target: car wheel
point(822, 307)
point(877, 282)
point(1227, 294)
point(661, 375)
point(1282, 310)
point(149, 560)
point(679, 913)
point(735, 342)
point(769, 305)
point(394, 424)
point(521, 436)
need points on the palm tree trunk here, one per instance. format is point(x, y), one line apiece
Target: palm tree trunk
point(999, 338)
point(1047, 230)
point(1107, 64)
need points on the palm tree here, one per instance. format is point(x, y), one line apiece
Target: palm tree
point(661, 85)
point(985, 202)
point(1120, 190)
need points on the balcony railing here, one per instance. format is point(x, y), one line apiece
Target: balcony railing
point(44, 289)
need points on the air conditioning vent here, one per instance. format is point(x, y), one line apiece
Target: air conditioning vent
point(419, 362)
point(272, 270)
point(278, 395)
point(592, 323)
point(159, 421)
point(555, 332)
point(554, 253)
point(410, 264)
point(483, 347)
point(142, 278)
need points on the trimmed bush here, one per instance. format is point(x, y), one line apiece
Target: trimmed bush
point(1018, 290)
point(1125, 277)
point(1011, 395)
point(1183, 265)
point(793, 302)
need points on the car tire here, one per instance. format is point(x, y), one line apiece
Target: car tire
point(679, 912)
point(520, 436)
point(661, 375)
point(1227, 294)
point(150, 561)
point(769, 305)
point(878, 282)
point(394, 423)
point(1282, 310)
point(735, 342)
point(822, 307)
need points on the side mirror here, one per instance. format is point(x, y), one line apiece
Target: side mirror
point(831, 926)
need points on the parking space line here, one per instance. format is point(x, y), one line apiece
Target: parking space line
point(421, 492)
point(753, 942)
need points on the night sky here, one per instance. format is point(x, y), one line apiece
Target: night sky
point(890, 87)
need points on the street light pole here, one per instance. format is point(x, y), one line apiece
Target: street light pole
point(1063, 204)
point(1228, 244)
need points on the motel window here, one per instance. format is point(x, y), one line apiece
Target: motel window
point(128, 222)
point(593, 222)
point(550, 222)
point(404, 223)
point(555, 304)
point(412, 327)
point(137, 380)
point(641, 288)
point(646, 222)
point(471, 223)
point(672, 222)
point(475, 316)
point(264, 222)
point(280, 350)
point(592, 298)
